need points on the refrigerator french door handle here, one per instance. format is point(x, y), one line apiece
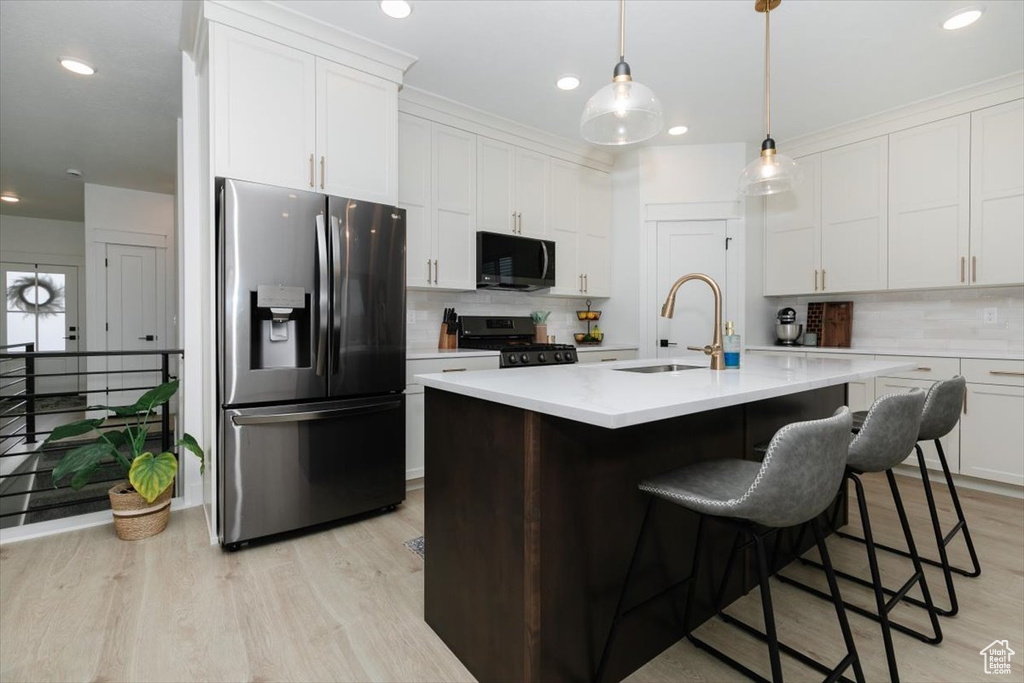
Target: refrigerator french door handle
point(340, 308)
point(323, 283)
point(310, 415)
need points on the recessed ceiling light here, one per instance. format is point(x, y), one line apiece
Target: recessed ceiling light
point(677, 130)
point(10, 198)
point(76, 66)
point(568, 82)
point(964, 16)
point(396, 9)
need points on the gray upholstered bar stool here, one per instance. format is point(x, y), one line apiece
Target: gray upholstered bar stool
point(886, 435)
point(941, 413)
point(797, 480)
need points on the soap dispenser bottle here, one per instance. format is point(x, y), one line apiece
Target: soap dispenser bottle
point(731, 347)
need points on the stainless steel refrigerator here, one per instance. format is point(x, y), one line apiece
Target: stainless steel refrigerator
point(311, 358)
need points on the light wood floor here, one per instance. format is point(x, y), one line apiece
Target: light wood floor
point(346, 604)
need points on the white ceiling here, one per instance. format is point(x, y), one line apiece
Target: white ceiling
point(833, 61)
point(118, 127)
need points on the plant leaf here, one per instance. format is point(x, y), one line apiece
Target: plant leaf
point(120, 411)
point(151, 475)
point(82, 459)
point(137, 436)
point(73, 429)
point(189, 442)
point(157, 395)
point(82, 476)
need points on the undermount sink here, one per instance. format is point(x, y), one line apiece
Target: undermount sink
point(668, 367)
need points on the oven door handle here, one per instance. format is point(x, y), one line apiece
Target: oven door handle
point(310, 415)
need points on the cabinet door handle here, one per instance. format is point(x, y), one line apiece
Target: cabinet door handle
point(815, 279)
point(823, 279)
point(513, 222)
point(965, 403)
point(323, 172)
point(608, 360)
point(586, 283)
point(312, 173)
point(453, 369)
point(963, 261)
point(428, 271)
point(974, 269)
point(922, 369)
point(581, 283)
point(1005, 373)
point(436, 271)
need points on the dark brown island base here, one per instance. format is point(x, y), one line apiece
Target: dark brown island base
point(531, 521)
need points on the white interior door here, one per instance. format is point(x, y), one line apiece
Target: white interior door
point(135, 318)
point(41, 307)
point(690, 247)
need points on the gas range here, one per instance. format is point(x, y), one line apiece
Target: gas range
point(512, 336)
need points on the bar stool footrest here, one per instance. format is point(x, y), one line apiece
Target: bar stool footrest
point(926, 560)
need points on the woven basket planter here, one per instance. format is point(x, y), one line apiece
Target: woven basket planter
point(134, 518)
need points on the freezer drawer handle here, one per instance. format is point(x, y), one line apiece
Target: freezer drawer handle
point(312, 414)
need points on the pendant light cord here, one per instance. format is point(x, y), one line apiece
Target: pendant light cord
point(767, 69)
point(622, 30)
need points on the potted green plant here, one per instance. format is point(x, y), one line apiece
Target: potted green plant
point(141, 505)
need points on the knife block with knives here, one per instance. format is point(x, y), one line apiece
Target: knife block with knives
point(449, 337)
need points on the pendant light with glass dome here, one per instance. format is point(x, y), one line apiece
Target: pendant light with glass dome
point(770, 173)
point(624, 111)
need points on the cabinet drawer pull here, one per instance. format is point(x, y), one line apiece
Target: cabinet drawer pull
point(608, 360)
point(963, 262)
point(1006, 373)
point(312, 173)
point(922, 369)
point(454, 370)
point(974, 269)
point(323, 172)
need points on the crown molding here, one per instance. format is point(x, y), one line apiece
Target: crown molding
point(280, 24)
point(427, 105)
point(954, 103)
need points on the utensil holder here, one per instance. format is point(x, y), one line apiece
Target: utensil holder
point(540, 333)
point(447, 341)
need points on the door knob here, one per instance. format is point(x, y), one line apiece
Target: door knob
point(148, 337)
point(72, 337)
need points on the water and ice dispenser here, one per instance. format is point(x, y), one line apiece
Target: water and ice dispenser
point(282, 319)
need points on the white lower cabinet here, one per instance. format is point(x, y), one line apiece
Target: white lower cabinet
point(992, 428)
point(860, 394)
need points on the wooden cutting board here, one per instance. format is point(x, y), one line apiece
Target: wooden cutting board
point(837, 324)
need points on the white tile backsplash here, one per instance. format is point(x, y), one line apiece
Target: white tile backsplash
point(428, 307)
point(940, 319)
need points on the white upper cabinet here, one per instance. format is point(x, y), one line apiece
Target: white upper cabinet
point(564, 214)
point(595, 229)
point(356, 122)
point(512, 186)
point(414, 195)
point(284, 117)
point(997, 194)
point(929, 204)
point(793, 234)
point(531, 189)
point(264, 110)
point(495, 186)
point(454, 202)
point(854, 217)
point(437, 188)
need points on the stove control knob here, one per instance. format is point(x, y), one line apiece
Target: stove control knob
point(512, 360)
point(523, 357)
point(558, 357)
point(541, 358)
point(568, 357)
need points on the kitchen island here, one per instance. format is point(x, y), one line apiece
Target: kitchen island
point(532, 509)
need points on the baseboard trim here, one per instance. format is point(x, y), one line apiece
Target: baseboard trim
point(414, 484)
point(965, 482)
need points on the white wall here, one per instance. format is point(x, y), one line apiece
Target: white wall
point(623, 308)
point(760, 311)
point(691, 173)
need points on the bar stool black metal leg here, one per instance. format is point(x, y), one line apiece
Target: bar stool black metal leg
point(961, 524)
point(852, 658)
point(622, 594)
point(933, 615)
point(766, 606)
point(939, 542)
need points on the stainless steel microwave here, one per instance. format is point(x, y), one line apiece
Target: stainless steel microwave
point(517, 263)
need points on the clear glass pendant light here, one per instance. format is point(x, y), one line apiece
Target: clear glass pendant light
point(624, 111)
point(771, 172)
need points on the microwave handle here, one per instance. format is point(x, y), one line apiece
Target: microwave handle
point(544, 270)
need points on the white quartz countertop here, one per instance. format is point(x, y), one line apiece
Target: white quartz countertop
point(600, 394)
point(888, 351)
